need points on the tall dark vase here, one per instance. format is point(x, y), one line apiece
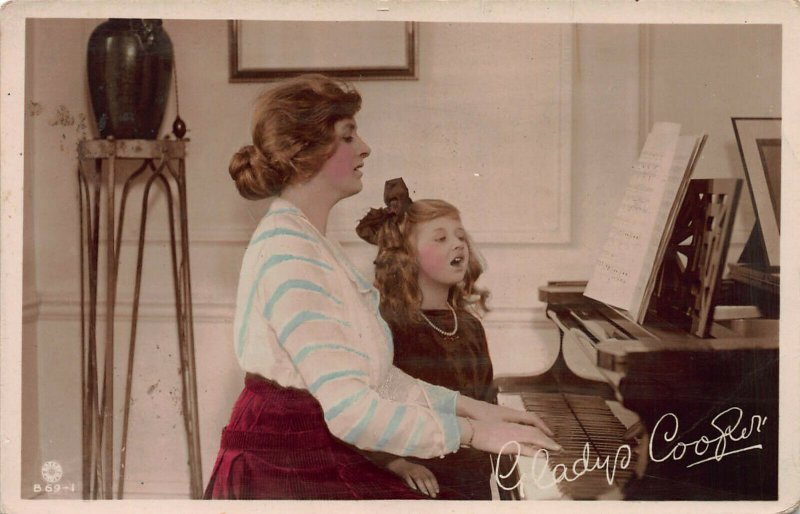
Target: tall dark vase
point(129, 63)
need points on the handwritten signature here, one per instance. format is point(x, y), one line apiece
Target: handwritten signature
point(727, 424)
point(562, 472)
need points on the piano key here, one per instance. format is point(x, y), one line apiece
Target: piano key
point(577, 420)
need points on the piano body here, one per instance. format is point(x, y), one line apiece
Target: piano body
point(699, 414)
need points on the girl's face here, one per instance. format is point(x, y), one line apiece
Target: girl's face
point(342, 171)
point(442, 251)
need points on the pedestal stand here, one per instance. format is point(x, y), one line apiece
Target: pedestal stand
point(160, 162)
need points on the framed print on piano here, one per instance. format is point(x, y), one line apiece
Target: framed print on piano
point(263, 51)
point(759, 142)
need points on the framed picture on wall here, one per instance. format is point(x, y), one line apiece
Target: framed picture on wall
point(759, 141)
point(263, 51)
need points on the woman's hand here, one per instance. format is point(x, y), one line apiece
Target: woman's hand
point(416, 476)
point(482, 411)
point(500, 436)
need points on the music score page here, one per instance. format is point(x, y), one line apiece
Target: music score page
point(627, 260)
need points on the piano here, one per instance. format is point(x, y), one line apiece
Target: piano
point(674, 414)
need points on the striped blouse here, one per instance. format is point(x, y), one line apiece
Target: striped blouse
point(306, 318)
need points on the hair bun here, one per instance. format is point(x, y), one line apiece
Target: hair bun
point(247, 170)
point(240, 161)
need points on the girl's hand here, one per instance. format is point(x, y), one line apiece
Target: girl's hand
point(500, 436)
point(416, 476)
point(482, 411)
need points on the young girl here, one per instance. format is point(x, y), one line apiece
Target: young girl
point(426, 272)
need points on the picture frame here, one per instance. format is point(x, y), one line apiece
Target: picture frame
point(265, 51)
point(759, 142)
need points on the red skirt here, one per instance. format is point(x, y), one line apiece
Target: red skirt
point(277, 446)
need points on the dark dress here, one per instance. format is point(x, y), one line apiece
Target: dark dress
point(460, 363)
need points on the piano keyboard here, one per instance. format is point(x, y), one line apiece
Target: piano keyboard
point(576, 420)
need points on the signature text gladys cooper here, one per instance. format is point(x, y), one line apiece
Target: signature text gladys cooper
point(730, 437)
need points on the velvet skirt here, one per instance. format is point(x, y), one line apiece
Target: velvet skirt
point(277, 446)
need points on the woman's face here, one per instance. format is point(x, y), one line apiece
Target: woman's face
point(342, 170)
point(442, 251)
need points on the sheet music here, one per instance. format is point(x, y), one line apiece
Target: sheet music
point(676, 185)
point(624, 266)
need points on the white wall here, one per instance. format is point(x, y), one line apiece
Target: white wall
point(611, 101)
point(704, 94)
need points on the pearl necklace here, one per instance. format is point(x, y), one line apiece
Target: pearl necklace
point(444, 333)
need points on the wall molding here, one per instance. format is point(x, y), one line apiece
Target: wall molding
point(57, 307)
point(518, 317)
point(30, 310)
point(64, 308)
point(239, 237)
point(645, 82)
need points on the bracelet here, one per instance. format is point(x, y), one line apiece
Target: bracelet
point(472, 434)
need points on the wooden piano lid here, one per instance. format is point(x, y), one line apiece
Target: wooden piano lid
point(563, 292)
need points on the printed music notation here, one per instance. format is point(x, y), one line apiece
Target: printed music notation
point(660, 175)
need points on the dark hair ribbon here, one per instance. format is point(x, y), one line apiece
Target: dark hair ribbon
point(395, 195)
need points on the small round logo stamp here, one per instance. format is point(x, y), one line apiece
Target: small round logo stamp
point(52, 471)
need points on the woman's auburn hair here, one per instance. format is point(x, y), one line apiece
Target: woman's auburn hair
point(293, 134)
point(397, 271)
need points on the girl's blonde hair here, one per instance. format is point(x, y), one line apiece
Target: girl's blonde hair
point(397, 271)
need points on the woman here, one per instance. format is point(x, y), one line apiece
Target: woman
point(308, 332)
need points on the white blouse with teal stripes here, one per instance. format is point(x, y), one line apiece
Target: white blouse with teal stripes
point(306, 318)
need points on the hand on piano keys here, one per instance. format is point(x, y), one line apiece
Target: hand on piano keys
point(490, 428)
point(596, 462)
point(495, 436)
